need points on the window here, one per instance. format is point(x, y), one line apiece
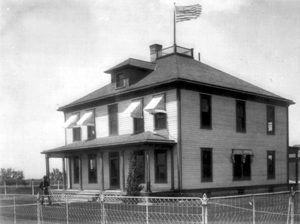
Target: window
point(240, 116)
point(271, 164)
point(120, 81)
point(76, 134)
point(161, 166)
point(206, 165)
point(270, 120)
point(241, 166)
point(113, 119)
point(114, 170)
point(76, 169)
point(160, 120)
point(138, 118)
point(91, 132)
point(140, 160)
point(205, 112)
point(92, 168)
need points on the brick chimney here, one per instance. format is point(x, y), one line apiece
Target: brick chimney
point(155, 51)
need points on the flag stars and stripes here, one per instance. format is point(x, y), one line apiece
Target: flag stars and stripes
point(184, 13)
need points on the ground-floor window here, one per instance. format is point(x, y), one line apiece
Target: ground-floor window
point(161, 166)
point(241, 166)
point(114, 170)
point(92, 168)
point(76, 169)
point(140, 159)
point(206, 165)
point(271, 164)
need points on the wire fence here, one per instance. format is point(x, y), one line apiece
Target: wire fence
point(281, 207)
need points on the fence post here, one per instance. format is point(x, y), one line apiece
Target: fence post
point(5, 188)
point(15, 215)
point(32, 188)
point(292, 206)
point(253, 201)
point(204, 201)
point(38, 211)
point(67, 210)
point(102, 205)
point(147, 211)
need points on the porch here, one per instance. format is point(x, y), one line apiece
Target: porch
point(102, 165)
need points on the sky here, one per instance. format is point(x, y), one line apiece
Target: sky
point(53, 52)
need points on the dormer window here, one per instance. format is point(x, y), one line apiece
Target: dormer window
point(120, 81)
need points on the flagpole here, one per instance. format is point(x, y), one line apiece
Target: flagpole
point(174, 26)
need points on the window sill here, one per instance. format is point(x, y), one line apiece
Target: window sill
point(271, 178)
point(161, 182)
point(206, 128)
point(242, 179)
point(92, 183)
point(242, 132)
point(159, 129)
point(271, 134)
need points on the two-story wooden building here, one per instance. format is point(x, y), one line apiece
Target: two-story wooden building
point(194, 128)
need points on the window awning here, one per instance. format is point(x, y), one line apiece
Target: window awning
point(242, 152)
point(156, 105)
point(87, 119)
point(71, 122)
point(134, 110)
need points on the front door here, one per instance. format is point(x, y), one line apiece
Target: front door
point(114, 168)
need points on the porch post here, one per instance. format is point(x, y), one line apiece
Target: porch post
point(148, 183)
point(101, 172)
point(172, 168)
point(70, 172)
point(80, 172)
point(64, 172)
point(47, 165)
point(122, 172)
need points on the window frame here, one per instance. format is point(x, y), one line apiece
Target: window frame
point(76, 169)
point(92, 180)
point(273, 174)
point(143, 169)
point(248, 159)
point(244, 118)
point(272, 108)
point(77, 137)
point(89, 136)
point(206, 179)
point(164, 117)
point(157, 179)
point(135, 120)
point(116, 132)
point(208, 97)
point(118, 81)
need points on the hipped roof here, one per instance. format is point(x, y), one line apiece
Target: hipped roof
point(118, 140)
point(179, 68)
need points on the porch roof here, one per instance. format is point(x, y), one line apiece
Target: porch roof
point(119, 140)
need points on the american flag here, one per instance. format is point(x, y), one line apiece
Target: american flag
point(184, 13)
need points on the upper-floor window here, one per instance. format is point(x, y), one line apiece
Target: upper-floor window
point(270, 120)
point(271, 164)
point(76, 134)
point(138, 119)
point(120, 80)
point(113, 119)
point(240, 116)
point(206, 165)
point(157, 106)
point(205, 111)
point(92, 168)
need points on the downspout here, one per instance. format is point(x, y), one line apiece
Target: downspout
point(287, 143)
point(179, 145)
